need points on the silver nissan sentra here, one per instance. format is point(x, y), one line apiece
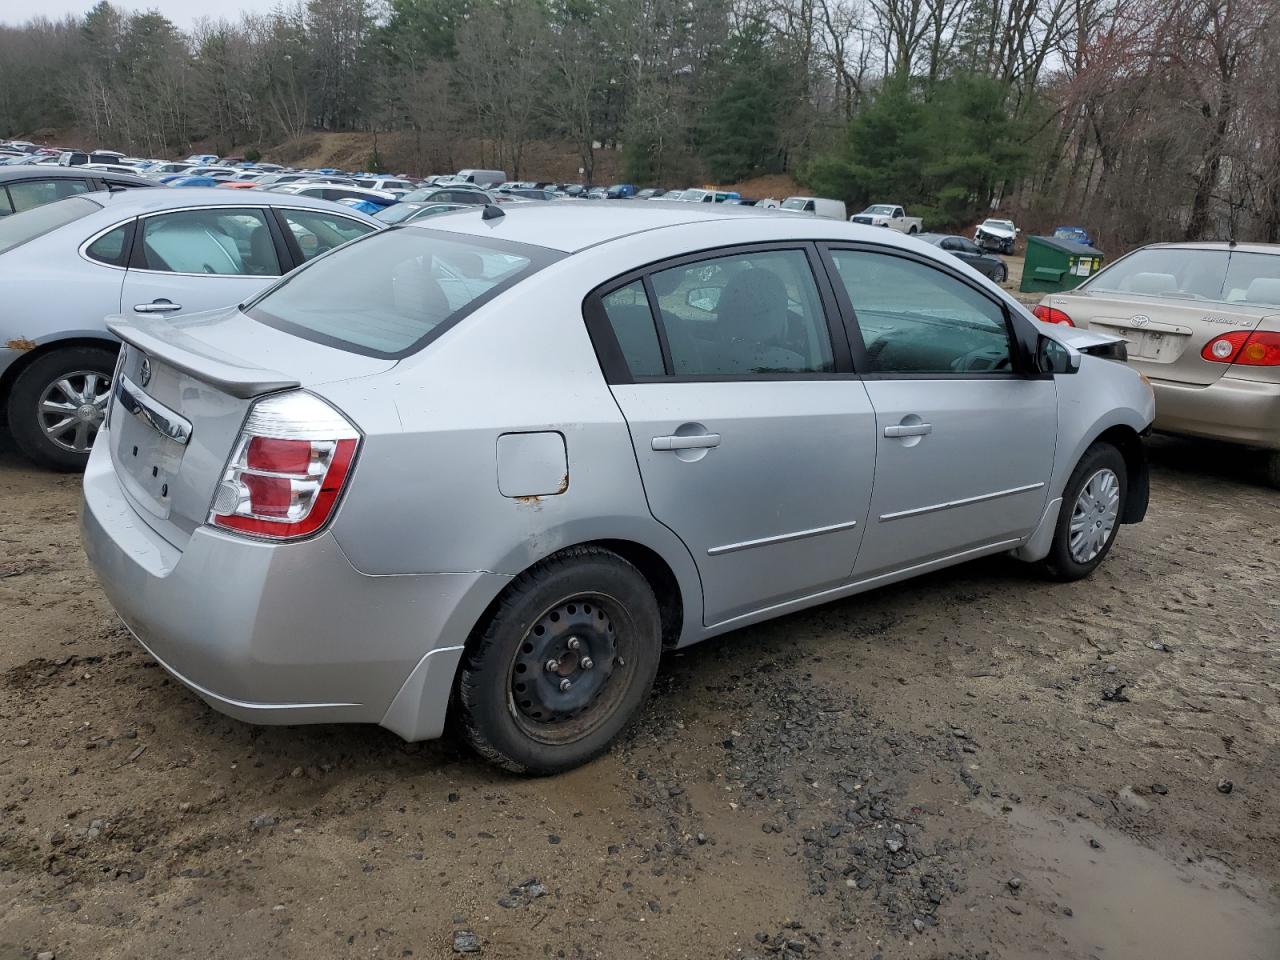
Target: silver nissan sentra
point(488, 467)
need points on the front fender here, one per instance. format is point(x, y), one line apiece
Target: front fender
point(1102, 396)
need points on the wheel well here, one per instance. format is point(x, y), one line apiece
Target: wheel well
point(1129, 443)
point(666, 589)
point(26, 359)
point(661, 579)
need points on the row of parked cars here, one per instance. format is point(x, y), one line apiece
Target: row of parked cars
point(470, 441)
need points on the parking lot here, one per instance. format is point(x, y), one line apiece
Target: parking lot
point(975, 764)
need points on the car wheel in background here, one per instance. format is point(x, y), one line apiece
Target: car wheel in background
point(1000, 274)
point(561, 664)
point(1092, 505)
point(913, 229)
point(57, 404)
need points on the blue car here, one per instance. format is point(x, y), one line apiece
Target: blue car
point(192, 182)
point(621, 191)
point(1076, 234)
point(364, 206)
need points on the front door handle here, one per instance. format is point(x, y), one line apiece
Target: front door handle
point(697, 442)
point(157, 306)
point(909, 430)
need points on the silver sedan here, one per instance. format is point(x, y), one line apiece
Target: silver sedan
point(65, 266)
point(494, 463)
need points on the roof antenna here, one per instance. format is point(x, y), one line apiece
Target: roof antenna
point(492, 212)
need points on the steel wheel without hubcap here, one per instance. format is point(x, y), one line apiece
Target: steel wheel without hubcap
point(570, 669)
point(72, 408)
point(1094, 516)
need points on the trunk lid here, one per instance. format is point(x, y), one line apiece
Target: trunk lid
point(1165, 337)
point(182, 391)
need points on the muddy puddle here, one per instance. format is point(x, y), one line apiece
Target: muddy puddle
point(1128, 902)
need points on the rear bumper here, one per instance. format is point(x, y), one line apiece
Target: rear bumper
point(1241, 411)
point(282, 633)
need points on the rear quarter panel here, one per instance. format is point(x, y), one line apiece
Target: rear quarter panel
point(425, 494)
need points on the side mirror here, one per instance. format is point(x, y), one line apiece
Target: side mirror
point(1055, 357)
point(705, 299)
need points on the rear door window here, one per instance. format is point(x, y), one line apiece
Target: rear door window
point(393, 291)
point(29, 194)
point(231, 242)
point(742, 315)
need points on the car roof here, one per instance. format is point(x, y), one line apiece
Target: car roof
point(570, 227)
point(50, 172)
point(1270, 248)
point(137, 202)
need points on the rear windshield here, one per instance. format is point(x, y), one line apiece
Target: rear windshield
point(1189, 273)
point(17, 229)
point(390, 293)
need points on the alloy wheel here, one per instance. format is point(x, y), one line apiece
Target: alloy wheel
point(1094, 516)
point(71, 409)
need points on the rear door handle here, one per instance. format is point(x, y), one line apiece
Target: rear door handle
point(157, 306)
point(697, 442)
point(909, 430)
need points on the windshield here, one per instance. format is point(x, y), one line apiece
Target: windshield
point(1190, 273)
point(999, 224)
point(18, 229)
point(390, 293)
point(880, 208)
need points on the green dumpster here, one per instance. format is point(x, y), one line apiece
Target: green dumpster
point(1055, 265)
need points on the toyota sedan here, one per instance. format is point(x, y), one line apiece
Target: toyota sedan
point(1202, 321)
point(488, 467)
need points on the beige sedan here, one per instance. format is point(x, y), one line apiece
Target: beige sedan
point(1202, 322)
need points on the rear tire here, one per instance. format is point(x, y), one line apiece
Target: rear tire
point(913, 231)
point(1001, 274)
point(36, 391)
point(591, 614)
point(1092, 504)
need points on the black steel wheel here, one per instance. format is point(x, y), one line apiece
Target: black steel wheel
point(560, 665)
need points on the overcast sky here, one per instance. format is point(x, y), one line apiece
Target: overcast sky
point(182, 12)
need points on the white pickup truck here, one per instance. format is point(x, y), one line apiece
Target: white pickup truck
point(888, 215)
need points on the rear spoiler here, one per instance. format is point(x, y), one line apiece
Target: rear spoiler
point(166, 341)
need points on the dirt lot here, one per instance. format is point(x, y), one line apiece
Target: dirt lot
point(976, 764)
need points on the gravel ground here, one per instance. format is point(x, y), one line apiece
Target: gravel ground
point(974, 764)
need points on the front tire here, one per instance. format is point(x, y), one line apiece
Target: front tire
point(562, 663)
point(1001, 274)
point(58, 403)
point(1092, 505)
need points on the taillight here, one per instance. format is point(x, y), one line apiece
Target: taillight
point(1050, 315)
point(1258, 349)
point(287, 470)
